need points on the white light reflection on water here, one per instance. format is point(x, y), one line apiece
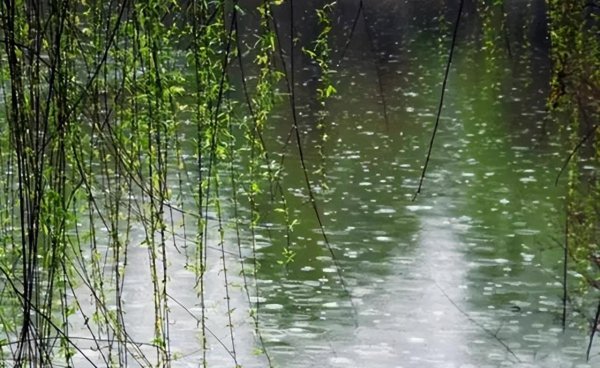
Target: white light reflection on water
point(185, 311)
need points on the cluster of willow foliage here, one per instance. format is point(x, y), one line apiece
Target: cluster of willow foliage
point(575, 100)
point(121, 130)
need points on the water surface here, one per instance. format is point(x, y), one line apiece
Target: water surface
point(465, 275)
point(468, 274)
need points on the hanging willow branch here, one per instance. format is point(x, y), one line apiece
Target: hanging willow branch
point(370, 37)
point(441, 104)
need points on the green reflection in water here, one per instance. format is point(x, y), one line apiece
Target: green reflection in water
point(477, 243)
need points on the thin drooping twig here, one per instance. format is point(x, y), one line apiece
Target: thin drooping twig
point(587, 136)
point(493, 335)
point(212, 169)
point(377, 68)
point(565, 268)
point(102, 62)
point(257, 134)
point(309, 188)
point(359, 12)
point(41, 314)
point(594, 328)
point(351, 35)
point(441, 104)
point(207, 329)
point(504, 27)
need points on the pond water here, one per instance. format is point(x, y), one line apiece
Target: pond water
point(466, 275)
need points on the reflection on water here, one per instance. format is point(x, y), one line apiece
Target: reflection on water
point(465, 276)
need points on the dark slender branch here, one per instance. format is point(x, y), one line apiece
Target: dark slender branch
point(565, 269)
point(22, 298)
point(587, 136)
point(185, 309)
point(212, 166)
point(287, 81)
point(504, 27)
point(103, 60)
point(28, 50)
point(377, 67)
point(594, 328)
point(351, 35)
point(309, 188)
point(441, 104)
point(359, 12)
point(493, 335)
point(256, 134)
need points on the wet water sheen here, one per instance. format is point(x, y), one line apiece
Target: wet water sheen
point(466, 275)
